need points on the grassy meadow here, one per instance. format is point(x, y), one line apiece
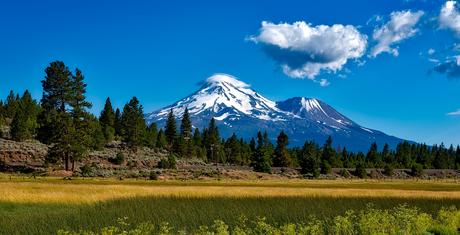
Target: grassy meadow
point(45, 205)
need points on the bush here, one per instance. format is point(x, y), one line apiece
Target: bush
point(399, 220)
point(118, 159)
point(360, 170)
point(88, 170)
point(153, 175)
point(326, 168)
point(416, 170)
point(168, 163)
point(344, 173)
point(388, 170)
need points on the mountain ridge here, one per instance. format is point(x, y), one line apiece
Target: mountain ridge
point(239, 109)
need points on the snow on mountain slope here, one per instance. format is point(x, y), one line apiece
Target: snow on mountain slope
point(226, 97)
point(314, 110)
point(239, 109)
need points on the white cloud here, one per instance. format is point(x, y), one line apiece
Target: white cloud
point(324, 82)
point(449, 17)
point(401, 26)
point(303, 50)
point(455, 113)
point(431, 51)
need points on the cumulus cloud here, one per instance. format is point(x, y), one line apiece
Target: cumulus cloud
point(449, 17)
point(401, 26)
point(303, 50)
point(450, 67)
point(455, 113)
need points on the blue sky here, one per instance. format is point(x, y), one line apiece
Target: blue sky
point(398, 72)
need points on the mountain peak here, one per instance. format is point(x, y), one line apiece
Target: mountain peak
point(238, 108)
point(222, 78)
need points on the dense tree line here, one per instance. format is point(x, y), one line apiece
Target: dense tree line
point(62, 120)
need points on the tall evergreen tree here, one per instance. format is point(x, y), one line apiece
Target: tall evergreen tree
point(261, 160)
point(117, 123)
point(57, 87)
point(197, 138)
point(212, 142)
point(57, 94)
point(24, 123)
point(107, 121)
point(372, 157)
point(151, 138)
point(170, 129)
point(186, 145)
point(282, 157)
point(11, 105)
point(133, 124)
point(87, 131)
point(233, 150)
point(328, 157)
point(310, 159)
point(161, 140)
point(186, 125)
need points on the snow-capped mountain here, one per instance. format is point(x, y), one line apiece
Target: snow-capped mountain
point(237, 108)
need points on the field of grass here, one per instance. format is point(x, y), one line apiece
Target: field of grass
point(42, 206)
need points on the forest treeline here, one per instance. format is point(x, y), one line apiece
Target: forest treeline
point(62, 119)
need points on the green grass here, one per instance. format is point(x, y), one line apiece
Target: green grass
point(189, 213)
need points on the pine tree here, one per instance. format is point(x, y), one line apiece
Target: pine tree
point(57, 94)
point(170, 129)
point(186, 146)
point(261, 160)
point(282, 157)
point(24, 123)
point(11, 105)
point(197, 140)
point(386, 154)
point(87, 131)
point(64, 140)
point(161, 140)
point(57, 87)
point(77, 99)
point(186, 125)
point(309, 159)
point(117, 123)
point(372, 157)
point(133, 124)
point(19, 127)
point(328, 157)
point(212, 142)
point(233, 150)
point(107, 121)
point(360, 170)
point(151, 138)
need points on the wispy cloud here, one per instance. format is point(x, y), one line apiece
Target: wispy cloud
point(455, 113)
point(400, 27)
point(450, 67)
point(304, 51)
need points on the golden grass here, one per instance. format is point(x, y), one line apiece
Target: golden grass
point(92, 191)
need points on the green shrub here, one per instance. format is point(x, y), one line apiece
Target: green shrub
point(360, 170)
point(417, 170)
point(118, 159)
point(399, 220)
point(168, 163)
point(388, 170)
point(153, 175)
point(344, 173)
point(326, 168)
